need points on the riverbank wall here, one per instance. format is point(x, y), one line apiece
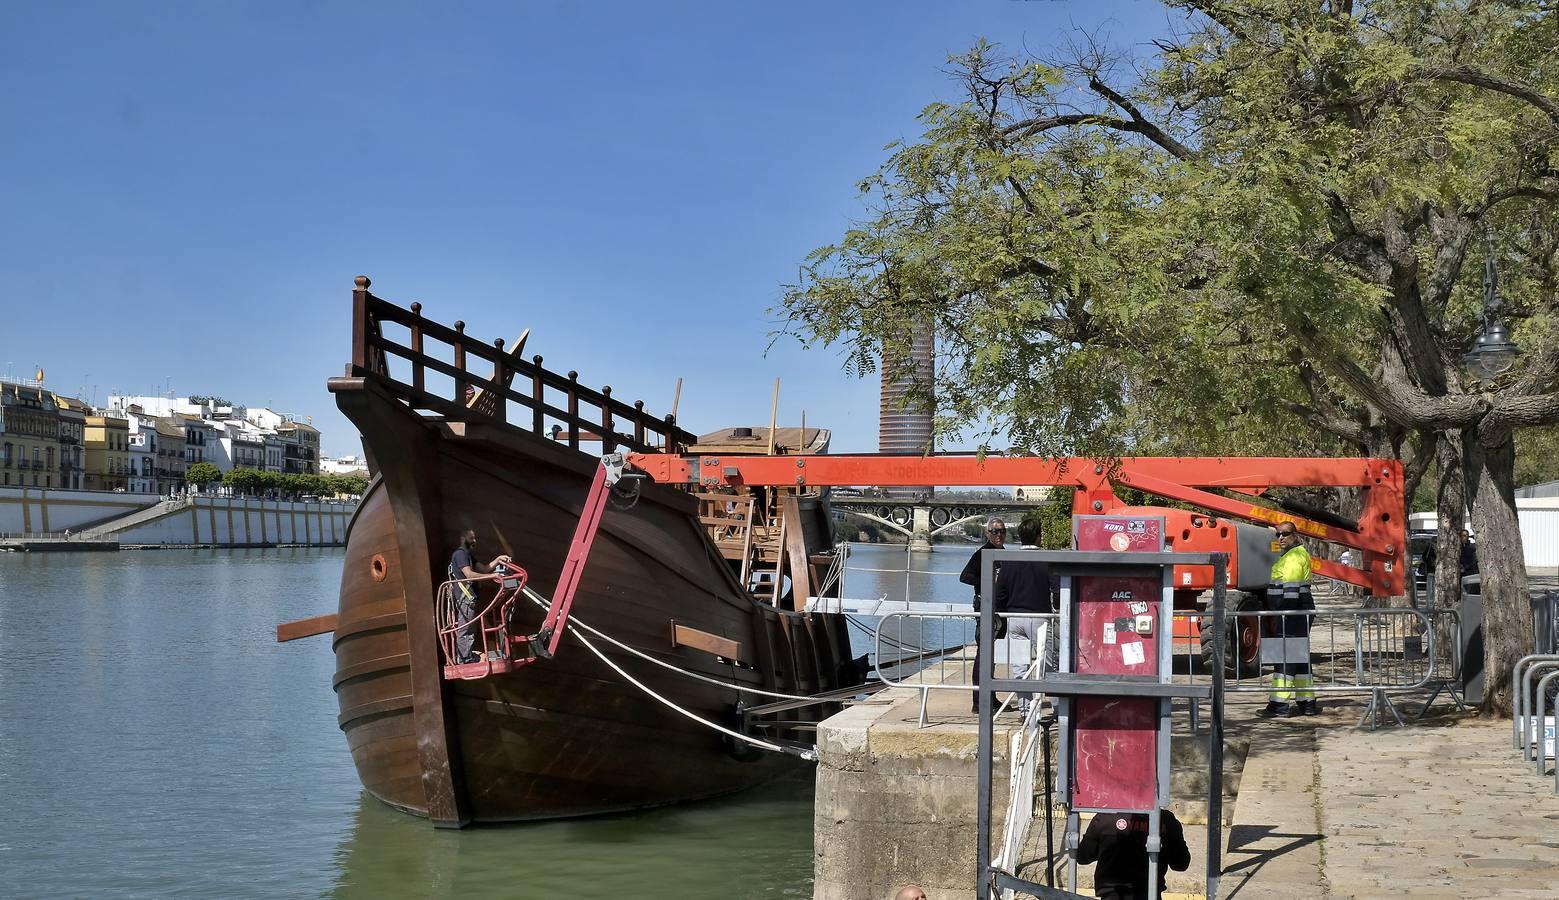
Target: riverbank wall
point(141, 520)
point(240, 522)
point(40, 511)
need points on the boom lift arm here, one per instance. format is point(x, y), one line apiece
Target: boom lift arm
point(1380, 535)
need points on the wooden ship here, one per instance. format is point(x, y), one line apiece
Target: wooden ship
point(464, 434)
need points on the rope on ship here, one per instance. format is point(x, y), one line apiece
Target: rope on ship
point(808, 754)
point(575, 620)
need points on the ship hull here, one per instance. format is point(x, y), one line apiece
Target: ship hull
point(565, 736)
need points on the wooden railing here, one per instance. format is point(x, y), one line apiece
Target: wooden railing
point(587, 414)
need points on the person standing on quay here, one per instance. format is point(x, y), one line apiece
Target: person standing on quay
point(464, 568)
point(1025, 588)
point(1293, 686)
point(995, 539)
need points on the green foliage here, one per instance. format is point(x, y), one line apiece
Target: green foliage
point(243, 481)
point(1201, 259)
point(202, 474)
point(345, 485)
point(257, 483)
point(1055, 521)
point(1537, 456)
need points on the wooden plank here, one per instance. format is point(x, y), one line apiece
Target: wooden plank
point(722, 520)
point(683, 636)
point(796, 552)
point(302, 628)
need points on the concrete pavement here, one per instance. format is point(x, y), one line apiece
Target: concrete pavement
point(1438, 809)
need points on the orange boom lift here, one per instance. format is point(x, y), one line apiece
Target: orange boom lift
point(1224, 489)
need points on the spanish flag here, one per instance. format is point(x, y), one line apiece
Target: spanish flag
point(39, 377)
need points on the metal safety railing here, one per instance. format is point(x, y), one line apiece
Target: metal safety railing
point(909, 570)
point(1535, 685)
point(488, 627)
point(1374, 652)
point(906, 635)
point(1532, 732)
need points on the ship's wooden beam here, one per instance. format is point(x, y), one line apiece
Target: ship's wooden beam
point(683, 636)
point(302, 628)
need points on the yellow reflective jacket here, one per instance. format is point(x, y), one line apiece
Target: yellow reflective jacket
point(1293, 566)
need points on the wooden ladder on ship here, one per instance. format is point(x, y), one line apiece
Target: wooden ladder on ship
point(761, 541)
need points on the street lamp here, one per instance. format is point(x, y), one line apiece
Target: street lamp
point(1493, 353)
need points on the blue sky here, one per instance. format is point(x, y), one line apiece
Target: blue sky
point(190, 187)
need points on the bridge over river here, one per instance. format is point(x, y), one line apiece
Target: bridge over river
point(921, 520)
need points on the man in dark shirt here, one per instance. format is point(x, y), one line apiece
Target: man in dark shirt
point(1118, 842)
point(995, 539)
point(463, 568)
point(1468, 564)
point(1025, 587)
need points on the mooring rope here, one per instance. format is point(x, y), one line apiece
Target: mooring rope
point(664, 701)
point(544, 603)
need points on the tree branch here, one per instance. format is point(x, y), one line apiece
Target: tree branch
point(1334, 425)
point(1468, 75)
point(1140, 122)
point(1532, 409)
point(1498, 197)
point(1396, 396)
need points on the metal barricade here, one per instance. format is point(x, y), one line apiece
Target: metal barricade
point(929, 651)
point(1376, 651)
point(1444, 641)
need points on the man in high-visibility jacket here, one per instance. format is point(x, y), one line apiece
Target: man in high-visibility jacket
point(1292, 692)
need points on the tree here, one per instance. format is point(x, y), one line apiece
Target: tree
point(242, 481)
point(344, 485)
point(1262, 226)
point(202, 474)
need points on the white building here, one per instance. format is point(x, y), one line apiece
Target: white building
point(343, 465)
point(142, 444)
point(224, 434)
point(275, 452)
point(268, 419)
point(200, 436)
point(200, 407)
point(240, 445)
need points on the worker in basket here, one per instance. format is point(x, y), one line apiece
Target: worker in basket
point(1285, 643)
point(463, 568)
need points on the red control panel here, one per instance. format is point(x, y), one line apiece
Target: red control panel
point(1117, 626)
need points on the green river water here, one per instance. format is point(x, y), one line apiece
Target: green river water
point(155, 741)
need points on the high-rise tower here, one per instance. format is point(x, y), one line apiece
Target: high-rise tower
point(901, 430)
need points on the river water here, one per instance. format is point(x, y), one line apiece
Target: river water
point(156, 741)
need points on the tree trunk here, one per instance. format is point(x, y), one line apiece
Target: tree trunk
point(1490, 455)
point(1450, 513)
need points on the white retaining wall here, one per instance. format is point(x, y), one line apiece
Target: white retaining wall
point(227, 520)
point(39, 511)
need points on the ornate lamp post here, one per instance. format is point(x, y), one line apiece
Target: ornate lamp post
point(1493, 353)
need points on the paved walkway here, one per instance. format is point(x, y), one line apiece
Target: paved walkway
point(1434, 810)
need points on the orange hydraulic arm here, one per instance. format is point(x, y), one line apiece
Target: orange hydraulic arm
point(1380, 535)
